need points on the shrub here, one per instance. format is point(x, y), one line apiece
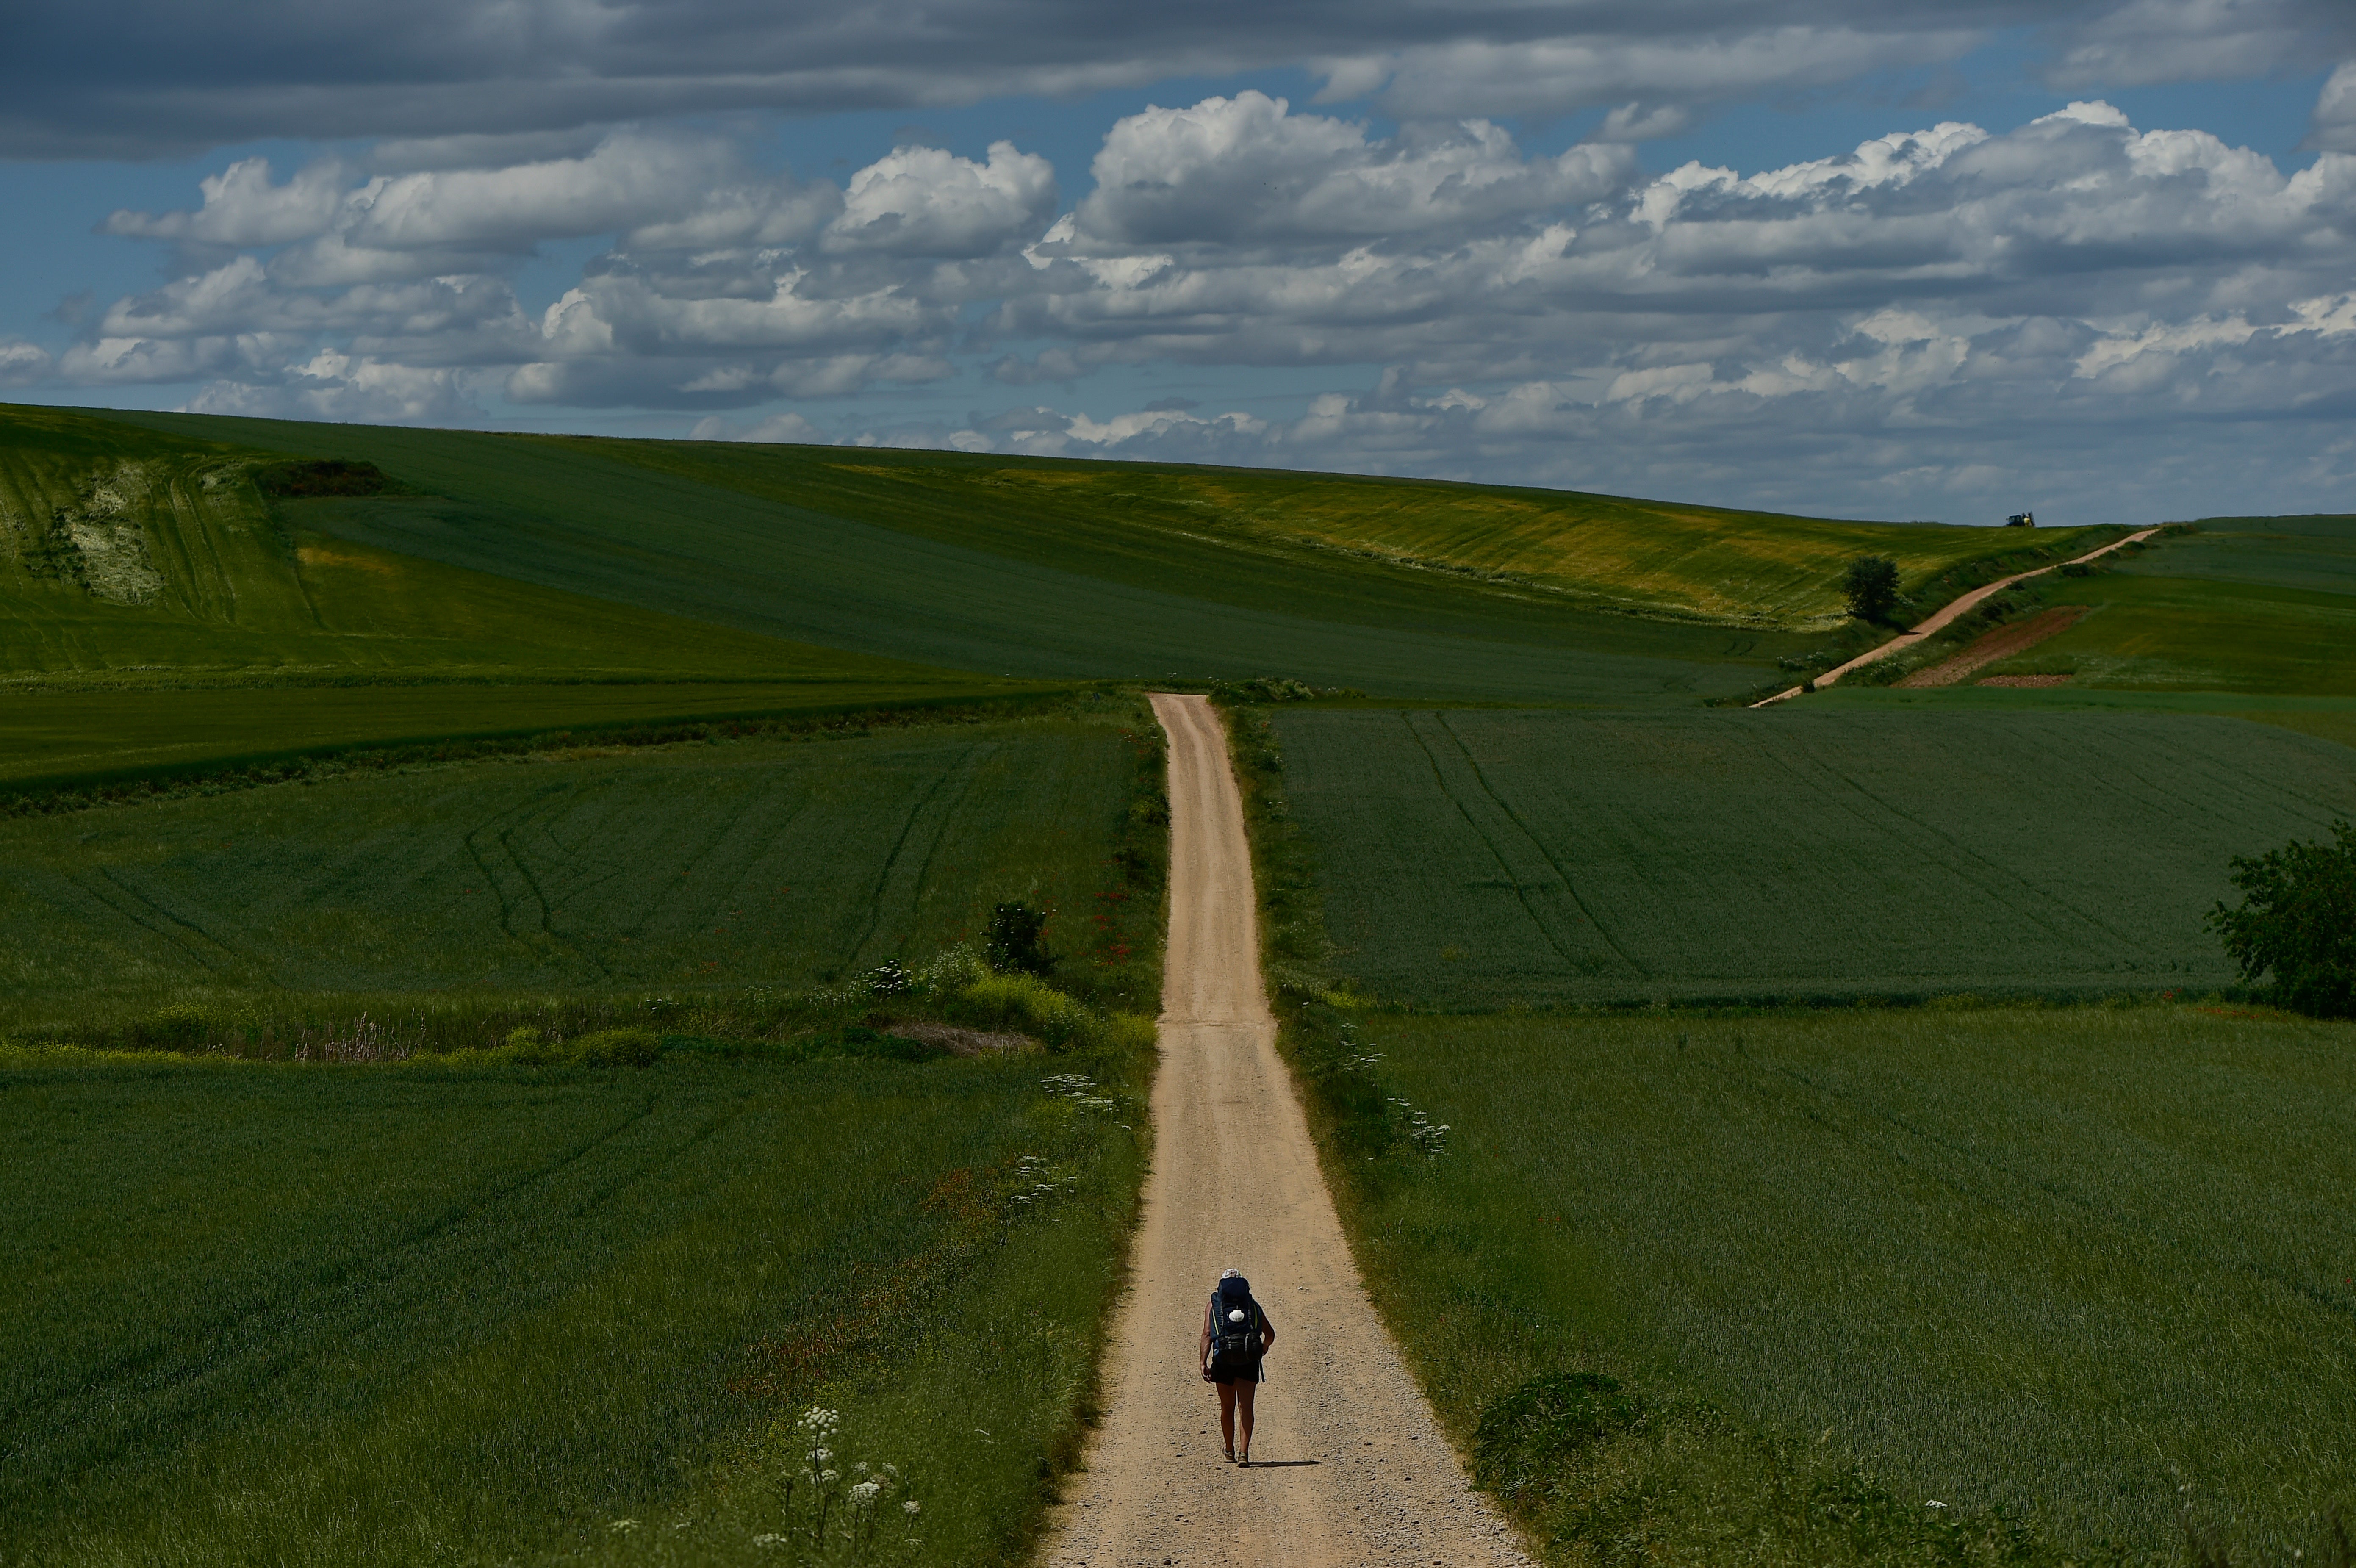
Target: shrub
point(1872, 588)
point(1023, 1004)
point(615, 1047)
point(1014, 946)
point(2297, 920)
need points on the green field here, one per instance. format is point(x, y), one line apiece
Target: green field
point(1801, 852)
point(1066, 569)
point(2096, 1267)
point(433, 1314)
point(2246, 604)
point(769, 863)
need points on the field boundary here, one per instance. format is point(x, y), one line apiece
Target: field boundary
point(50, 793)
point(1941, 618)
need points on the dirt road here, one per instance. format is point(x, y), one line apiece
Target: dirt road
point(1940, 618)
point(1347, 1465)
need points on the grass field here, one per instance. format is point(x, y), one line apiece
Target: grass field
point(2246, 604)
point(1072, 570)
point(2238, 607)
point(432, 1313)
point(772, 863)
point(1609, 551)
point(157, 612)
point(1564, 858)
point(932, 582)
point(2093, 1266)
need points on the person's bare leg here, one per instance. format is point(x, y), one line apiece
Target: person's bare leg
point(1243, 1396)
point(1227, 1416)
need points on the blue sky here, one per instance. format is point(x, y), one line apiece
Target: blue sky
point(1401, 238)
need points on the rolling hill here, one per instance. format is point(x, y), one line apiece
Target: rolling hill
point(476, 578)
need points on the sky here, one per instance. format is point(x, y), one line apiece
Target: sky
point(1898, 258)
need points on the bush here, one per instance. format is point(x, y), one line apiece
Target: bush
point(2297, 920)
point(1023, 1004)
point(1012, 946)
point(1872, 587)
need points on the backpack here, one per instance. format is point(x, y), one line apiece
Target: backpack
point(1232, 1341)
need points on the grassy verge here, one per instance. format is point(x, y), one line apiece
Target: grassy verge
point(1934, 1285)
point(469, 1311)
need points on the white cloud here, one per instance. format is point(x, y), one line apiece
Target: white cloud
point(22, 363)
point(1246, 168)
point(1932, 283)
point(2334, 126)
point(922, 201)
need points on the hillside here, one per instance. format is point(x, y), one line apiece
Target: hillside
point(479, 575)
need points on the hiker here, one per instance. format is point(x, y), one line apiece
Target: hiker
point(1236, 1336)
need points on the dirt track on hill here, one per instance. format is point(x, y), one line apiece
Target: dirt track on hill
point(1348, 1466)
point(1940, 618)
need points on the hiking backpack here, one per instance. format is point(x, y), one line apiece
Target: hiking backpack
point(1231, 1340)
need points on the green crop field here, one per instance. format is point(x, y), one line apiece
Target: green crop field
point(158, 612)
point(780, 864)
point(2246, 604)
point(1066, 569)
point(1647, 557)
point(429, 1313)
point(1796, 852)
point(2096, 1267)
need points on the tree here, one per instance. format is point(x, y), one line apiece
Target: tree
point(1012, 946)
point(2297, 920)
point(1872, 588)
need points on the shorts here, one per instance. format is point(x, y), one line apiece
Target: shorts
point(1245, 1370)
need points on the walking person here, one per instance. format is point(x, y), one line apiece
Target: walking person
point(1237, 1335)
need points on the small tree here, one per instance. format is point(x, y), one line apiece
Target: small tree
point(1012, 946)
point(1872, 584)
point(2297, 920)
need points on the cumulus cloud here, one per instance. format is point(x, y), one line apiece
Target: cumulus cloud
point(922, 201)
point(22, 363)
point(1247, 168)
point(1903, 309)
point(2334, 126)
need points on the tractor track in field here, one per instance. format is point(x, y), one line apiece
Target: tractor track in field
point(1348, 1465)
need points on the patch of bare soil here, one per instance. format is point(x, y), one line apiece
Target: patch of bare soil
point(1348, 1466)
point(2001, 644)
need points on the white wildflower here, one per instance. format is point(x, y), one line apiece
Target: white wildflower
point(865, 1492)
point(622, 1526)
point(910, 1508)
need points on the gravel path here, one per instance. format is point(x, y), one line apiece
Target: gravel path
point(1940, 618)
point(1348, 1466)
